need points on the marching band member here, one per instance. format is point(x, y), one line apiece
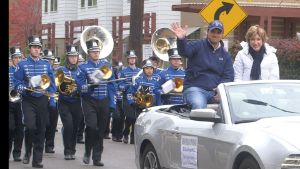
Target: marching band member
point(118, 115)
point(156, 63)
point(69, 106)
point(124, 86)
point(81, 121)
point(96, 102)
point(53, 112)
point(173, 71)
point(145, 83)
point(16, 133)
point(29, 74)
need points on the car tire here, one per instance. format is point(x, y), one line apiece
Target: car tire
point(149, 158)
point(249, 163)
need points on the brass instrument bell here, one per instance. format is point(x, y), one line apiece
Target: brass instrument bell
point(162, 40)
point(102, 35)
point(106, 71)
point(178, 84)
point(66, 84)
point(143, 100)
point(45, 81)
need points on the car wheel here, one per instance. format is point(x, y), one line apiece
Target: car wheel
point(249, 163)
point(149, 158)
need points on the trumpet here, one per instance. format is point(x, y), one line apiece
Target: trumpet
point(66, 84)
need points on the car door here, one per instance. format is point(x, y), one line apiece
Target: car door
point(202, 145)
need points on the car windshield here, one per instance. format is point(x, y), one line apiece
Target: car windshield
point(251, 102)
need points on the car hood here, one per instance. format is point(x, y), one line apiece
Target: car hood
point(283, 128)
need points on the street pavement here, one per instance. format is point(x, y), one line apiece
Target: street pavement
point(116, 155)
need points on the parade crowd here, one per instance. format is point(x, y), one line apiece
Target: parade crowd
point(95, 100)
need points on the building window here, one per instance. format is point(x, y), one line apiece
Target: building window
point(53, 6)
point(92, 2)
point(46, 5)
point(82, 3)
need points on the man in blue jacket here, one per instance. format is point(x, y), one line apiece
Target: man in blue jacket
point(208, 64)
point(28, 75)
point(16, 129)
point(173, 71)
point(128, 111)
point(97, 98)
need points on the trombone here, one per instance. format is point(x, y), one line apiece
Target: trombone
point(178, 84)
point(107, 73)
point(173, 86)
point(107, 81)
point(43, 84)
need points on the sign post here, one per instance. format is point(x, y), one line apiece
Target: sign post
point(227, 11)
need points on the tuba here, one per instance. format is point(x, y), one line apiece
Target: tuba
point(106, 43)
point(162, 40)
point(66, 84)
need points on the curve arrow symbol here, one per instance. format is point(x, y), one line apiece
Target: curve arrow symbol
point(226, 7)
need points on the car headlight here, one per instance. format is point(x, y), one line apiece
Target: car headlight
point(291, 162)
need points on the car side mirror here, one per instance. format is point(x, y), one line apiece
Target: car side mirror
point(205, 115)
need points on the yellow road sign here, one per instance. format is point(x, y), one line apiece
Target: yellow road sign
point(227, 11)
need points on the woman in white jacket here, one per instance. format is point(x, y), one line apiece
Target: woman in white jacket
point(257, 59)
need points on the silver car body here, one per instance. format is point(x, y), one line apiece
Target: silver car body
point(269, 138)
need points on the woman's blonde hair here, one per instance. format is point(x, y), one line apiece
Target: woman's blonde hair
point(256, 30)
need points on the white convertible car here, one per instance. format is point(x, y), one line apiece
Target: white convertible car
point(256, 125)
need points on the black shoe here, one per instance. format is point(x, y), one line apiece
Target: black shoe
point(68, 157)
point(80, 141)
point(131, 140)
point(17, 159)
point(86, 159)
point(116, 139)
point(49, 150)
point(107, 136)
point(98, 163)
point(26, 159)
point(37, 165)
point(125, 139)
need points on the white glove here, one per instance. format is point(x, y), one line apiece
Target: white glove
point(35, 81)
point(96, 76)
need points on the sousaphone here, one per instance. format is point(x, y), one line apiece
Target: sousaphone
point(162, 40)
point(106, 43)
